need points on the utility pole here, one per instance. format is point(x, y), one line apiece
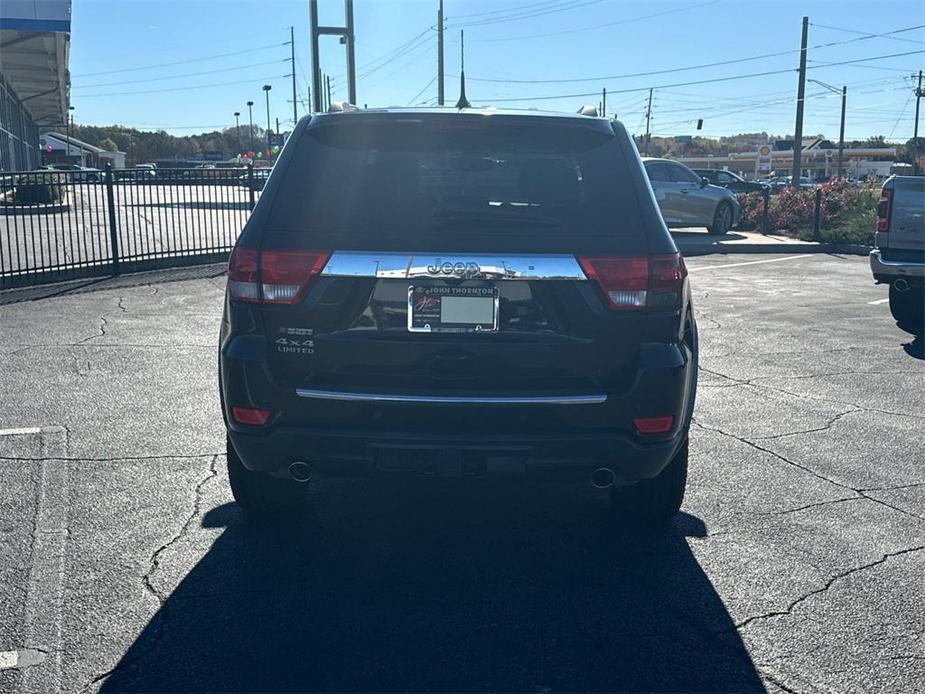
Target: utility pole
point(648, 118)
point(841, 132)
point(604, 102)
point(439, 52)
point(327, 79)
point(295, 104)
point(915, 136)
point(277, 129)
point(346, 34)
point(797, 169)
point(70, 121)
point(237, 128)
point(250, 115)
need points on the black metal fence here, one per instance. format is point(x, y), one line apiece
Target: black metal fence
point(59, 225)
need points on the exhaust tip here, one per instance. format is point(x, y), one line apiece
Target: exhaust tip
point(901, 285)
point(300, 471)
point(602, 478)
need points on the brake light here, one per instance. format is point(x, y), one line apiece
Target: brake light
point(285, 274)
point(653, 425)
point(635, 283)
point(273, 277)
point(250, 415)
point(884, 207)
point(242, 275)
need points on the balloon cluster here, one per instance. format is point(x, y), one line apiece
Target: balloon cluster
point(250, 155)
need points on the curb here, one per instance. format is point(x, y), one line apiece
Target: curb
point(775, 248)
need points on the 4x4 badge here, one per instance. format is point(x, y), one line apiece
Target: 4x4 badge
point(440, 267)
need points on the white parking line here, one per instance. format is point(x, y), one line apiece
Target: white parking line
point(42, 627)
point(878, 301)
point(750, 262)
point(22, 431)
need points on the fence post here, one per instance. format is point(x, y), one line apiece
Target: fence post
point(250, 184)
point(817, 213)
point(766, 198)
point(113, 229)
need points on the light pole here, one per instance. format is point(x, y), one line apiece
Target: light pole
point(266, 90)
point(237, 128)
point(68, 123)
point(841, 133)
point(250, 115)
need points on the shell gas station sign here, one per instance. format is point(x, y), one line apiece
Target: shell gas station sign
point(764, 158)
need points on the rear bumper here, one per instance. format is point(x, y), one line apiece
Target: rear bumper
point(354, 453)
point(889, 270)
point(550, 435)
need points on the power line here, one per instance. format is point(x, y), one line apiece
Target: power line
point(650, 73)
point(599, 26)
point(429, 44)
point(421, 40)
point(695, 82)
point(252, 80)
point(564, 7)
point(867, 34)
point(188, 74)
point(426, 87)
point(522, 7)
point(395, 50)
point(181, 62)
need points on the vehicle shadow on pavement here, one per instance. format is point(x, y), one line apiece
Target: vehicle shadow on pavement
point(478, 589)
point(916, 348)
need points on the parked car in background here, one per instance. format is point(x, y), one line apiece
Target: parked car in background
point(727, 179)
point(689, 200)
point(257, 180)
point(145, 173)
point(79, 174)
point(443, 295)
point(899, 256)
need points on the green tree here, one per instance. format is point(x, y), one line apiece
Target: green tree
point(108, 144)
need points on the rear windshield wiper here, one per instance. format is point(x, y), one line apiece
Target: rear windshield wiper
point(491, 215)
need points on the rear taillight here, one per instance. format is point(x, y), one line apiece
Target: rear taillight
point(285, 274)
point(634, 283)
point(884, 205)
point(272, 277)
point(242, 275)
point(653, 425)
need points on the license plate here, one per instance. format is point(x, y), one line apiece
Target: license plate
point(452, 309)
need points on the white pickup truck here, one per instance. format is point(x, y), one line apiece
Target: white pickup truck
point(899, 256)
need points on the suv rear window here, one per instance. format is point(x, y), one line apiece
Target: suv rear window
point(498, 183)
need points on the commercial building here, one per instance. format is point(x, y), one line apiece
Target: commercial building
point(34, 80)
point(58, 148)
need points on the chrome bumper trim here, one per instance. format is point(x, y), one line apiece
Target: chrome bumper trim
point(898, 268)
point(388, 265)
point(452, 399)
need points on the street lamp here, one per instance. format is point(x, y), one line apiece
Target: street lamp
point(250, 114)
point(68, 123)
point(237, 128)
point(841, 134)
point(266, 90)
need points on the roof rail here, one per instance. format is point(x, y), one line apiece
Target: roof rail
point(341, 107)
point(588, 110)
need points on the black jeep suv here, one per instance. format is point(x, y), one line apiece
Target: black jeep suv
point(456, 293)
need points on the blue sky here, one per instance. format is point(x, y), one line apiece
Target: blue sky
point(214, 55)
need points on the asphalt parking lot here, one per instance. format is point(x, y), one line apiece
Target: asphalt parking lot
point(796, 564)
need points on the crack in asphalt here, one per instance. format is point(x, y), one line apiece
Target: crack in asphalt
point(119, 304)
point(161, 617)
point(102, 331)
point(776, 682)
point(824, 427)
point(860, 492)
point(112, 345)
point(803, 508)
point(739, 626)
point(751, 382)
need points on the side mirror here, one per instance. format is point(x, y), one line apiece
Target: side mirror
point(704, 181)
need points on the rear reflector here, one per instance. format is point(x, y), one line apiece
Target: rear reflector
point(884, 204)
point(250, 415)
point(270, 276)
point(635, 283)
point(653, 425)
